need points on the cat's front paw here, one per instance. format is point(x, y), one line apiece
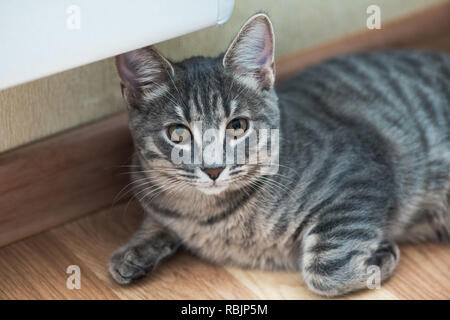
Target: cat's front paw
point(142, 254)
point(126, 265)
point(132, 262)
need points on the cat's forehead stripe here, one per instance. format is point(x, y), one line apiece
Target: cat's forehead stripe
point(233, 107)
point(179, 111)
point(207, 105)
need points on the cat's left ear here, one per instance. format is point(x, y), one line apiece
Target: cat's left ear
point(251, 54)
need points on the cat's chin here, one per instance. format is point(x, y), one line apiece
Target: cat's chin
point(213, 190)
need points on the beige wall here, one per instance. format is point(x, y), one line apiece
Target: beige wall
point(50, 105)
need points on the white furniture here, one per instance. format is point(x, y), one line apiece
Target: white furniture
point(40, 38)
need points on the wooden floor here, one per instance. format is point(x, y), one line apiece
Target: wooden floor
point(35, 268)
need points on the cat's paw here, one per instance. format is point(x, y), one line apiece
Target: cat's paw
point(141, 255)
point(346, 268)
point(127, 265)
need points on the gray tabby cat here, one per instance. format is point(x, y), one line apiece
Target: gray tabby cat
point(364, 160)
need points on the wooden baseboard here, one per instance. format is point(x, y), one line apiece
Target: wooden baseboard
point(61, 178)
point(77, 172)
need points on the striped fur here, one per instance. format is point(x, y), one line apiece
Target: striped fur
point(364, 164)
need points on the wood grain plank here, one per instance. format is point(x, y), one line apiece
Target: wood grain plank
point(424, 272)
point(36, 269)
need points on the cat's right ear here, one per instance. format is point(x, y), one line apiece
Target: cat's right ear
point(251, 54)
point(144, 74)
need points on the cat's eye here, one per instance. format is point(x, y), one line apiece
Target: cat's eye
point(178, 133)
point(237, 127)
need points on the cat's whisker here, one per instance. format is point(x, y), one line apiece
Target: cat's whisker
point(118, 196)
point(158, 191)
point(176, 188)
point(151, 190)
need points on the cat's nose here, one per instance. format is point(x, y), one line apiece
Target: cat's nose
point(213, 173)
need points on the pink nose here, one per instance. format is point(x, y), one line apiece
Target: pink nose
point(213, 173)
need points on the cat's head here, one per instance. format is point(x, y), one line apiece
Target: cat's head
point(187, 117)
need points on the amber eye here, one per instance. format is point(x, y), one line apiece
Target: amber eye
point(237, 127)
point(178, 133)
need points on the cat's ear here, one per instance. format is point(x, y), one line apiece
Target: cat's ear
point(143, 73)
point(251, 54)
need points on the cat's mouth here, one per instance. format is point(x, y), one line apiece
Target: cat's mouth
point(213, 189)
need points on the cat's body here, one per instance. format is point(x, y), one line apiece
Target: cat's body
point(364, 163)
point(386, 119)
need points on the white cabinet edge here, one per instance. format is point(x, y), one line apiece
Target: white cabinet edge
point(41, 38)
